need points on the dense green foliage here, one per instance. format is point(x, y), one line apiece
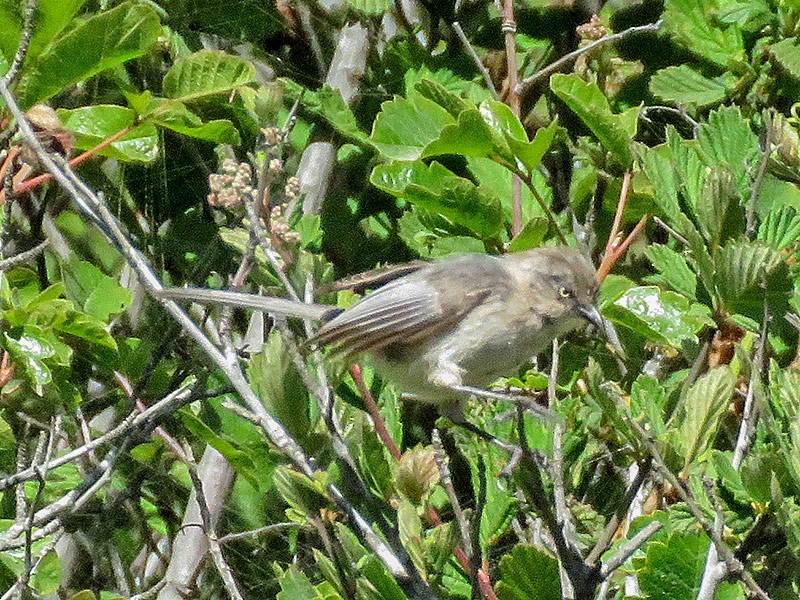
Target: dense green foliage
point(699, 420)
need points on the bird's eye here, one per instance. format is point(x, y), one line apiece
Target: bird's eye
point(566, 293)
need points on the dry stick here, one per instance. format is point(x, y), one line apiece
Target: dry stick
point(241, 535)
point(606, 536)
point(557, 474)
point(529, 474)
point(133, 421)
point(210, 530)
point(733, 566)
point(487, 78)
point(568, 58)
point(509, 29)
point(715, 569)
point(628, 548)
point(476, 560)
point(48, 519)
point(22, 257)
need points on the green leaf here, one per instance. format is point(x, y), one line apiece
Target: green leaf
point(659, 168)
point(295, 585)
point(51, 17)
point(781, 228)
point(102, 42)
point(8, 447)
point(98, 294)
point(385, 584)
point(205, 74)
point(703, 406)
point(373, 8)
point(429, 244)
point(239, 460)
point(174, 115)
point(673, 569)
point(749, 15)
point(683, 86)
point(787, 54)
point(327, 103)
point(86, 328)
point(531, 236)
point(470, 136)
point(93, 124)
point(435, 188)
point(718, 211)
point(450, 101)
point(689, 23)
point(491, 175)
point(46, 578)
point(591, 105)
point(673, 270)
point(404, 127)
point(661, 317)
point(742, 269)
point(29, 352)
point(280, 386)
point(531, 153)
point(727, 140)
point(730, 477)
point(527, 572)
point(648, 400)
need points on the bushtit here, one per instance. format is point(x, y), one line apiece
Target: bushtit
point(446, 329)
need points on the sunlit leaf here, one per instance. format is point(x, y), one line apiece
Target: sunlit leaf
point(663, 317)
point(205, 74)
point(592, 107)
point(703, 406)
point(435, 188)
point(102, 42)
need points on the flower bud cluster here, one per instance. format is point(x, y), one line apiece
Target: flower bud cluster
point(278, 226)
point(233, 186)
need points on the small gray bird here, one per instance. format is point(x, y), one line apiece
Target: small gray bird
point(446, 329)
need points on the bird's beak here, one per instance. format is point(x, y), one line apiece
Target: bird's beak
point(592, 314)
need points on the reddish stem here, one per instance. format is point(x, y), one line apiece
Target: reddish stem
point(614, 250)
point(372, 409)
point(81, 158)
point(383, 433)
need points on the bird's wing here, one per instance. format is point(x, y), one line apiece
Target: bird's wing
point(374, 278)
point(407, 310)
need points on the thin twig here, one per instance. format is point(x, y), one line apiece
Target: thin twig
point(557, 474)
point(24, 43)
point(440, 456)
point(628, 548)
point(232, 537)
point(214, 548)
point(766, 150)
point(487, 78)
point(734, 567)
point(133, 422)
point(715, 569)
point(528, 180)
point(615, 249)
point(568, 58)
point(509, 30)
